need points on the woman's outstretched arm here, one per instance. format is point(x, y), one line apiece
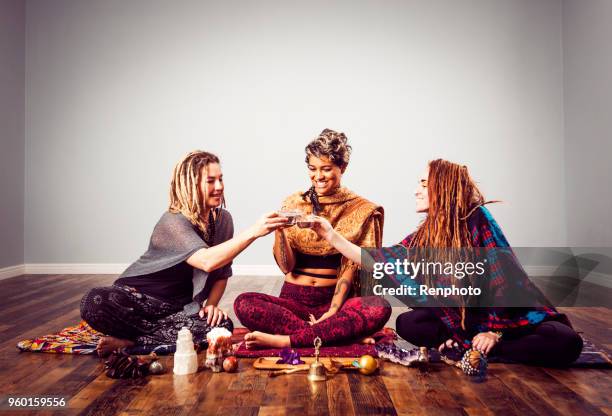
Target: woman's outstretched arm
point(212, 258)
point(325, 230)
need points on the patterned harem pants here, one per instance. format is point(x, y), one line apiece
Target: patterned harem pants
point(122, 312)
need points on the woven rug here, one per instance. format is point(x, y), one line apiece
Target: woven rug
point(82, 339)
point(78, 339)
point(387, 335)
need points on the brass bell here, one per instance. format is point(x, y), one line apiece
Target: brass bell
point(317, 371)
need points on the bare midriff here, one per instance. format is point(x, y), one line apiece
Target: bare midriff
point(302, 280)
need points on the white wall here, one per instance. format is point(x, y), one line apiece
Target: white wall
point(12, 154)
point(587, 31)
point(117, 91)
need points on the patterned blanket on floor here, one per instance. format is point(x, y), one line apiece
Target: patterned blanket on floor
point(387, 335)
point(82, 339)
point(78, 339)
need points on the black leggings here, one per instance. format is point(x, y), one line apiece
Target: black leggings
point(550, 343)
point(122, 312)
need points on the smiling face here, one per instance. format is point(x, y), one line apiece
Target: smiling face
point(421, 194)
point(325, 176)
point(211, 185)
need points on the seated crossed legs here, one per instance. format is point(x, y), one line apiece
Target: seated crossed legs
point(130, 318)
point(551, 343)
point(315, 300)
point(285, 320)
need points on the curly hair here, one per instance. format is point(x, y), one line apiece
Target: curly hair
point(332, 145)
point(185, 192)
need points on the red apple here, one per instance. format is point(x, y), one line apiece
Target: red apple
point(230, 364)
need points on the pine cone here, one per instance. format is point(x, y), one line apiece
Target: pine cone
point(122, 365)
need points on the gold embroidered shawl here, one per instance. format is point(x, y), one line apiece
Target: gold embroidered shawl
point(354, 217)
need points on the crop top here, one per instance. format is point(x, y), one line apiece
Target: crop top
point(309, 261)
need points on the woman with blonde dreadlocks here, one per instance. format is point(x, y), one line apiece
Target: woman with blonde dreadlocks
point(179, 281)
point(512, 322)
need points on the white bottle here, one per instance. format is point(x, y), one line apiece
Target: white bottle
point(185, 357)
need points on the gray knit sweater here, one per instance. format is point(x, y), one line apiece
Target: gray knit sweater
point(173, 241)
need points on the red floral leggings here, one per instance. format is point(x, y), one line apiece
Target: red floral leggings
point(288, 315)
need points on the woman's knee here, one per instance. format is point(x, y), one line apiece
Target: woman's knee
point(404, 324)
point(559, 345)
point(244, 302)
point(419, 327)
point(90, 303)
point(413, 317)
point(376, 310)
point(370, 304)
point(569, 344)
point(573, 348)
point(382, 308)
point(95, 311)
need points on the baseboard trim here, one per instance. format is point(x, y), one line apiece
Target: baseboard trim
point(75, 268)
point(12, 271)
point(117, 268)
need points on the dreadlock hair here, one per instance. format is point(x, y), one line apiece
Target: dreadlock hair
point(186, 196)
point(332, 145)
point(453, 196)
point(444, 235)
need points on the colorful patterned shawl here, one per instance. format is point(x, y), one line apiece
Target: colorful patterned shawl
point(502, 264)
point(357, 219)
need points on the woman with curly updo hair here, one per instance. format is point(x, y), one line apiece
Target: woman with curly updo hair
point(319, 297)
point(179, 281)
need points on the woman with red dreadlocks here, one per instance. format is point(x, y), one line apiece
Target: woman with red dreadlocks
point(513, 321)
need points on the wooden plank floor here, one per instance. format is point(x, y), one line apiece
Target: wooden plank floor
point(35, 305)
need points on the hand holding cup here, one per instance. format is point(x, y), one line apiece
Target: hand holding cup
point(305, 221)
point(292, 215)
point(322, 227)
point(268, 223)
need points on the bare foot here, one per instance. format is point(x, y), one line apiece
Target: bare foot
point(368, 340)
point(107, 345)
point(258, 339)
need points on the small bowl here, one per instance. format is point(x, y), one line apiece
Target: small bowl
point(305, 221)
point(291, 214)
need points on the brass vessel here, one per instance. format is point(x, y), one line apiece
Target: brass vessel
point(317, 371)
